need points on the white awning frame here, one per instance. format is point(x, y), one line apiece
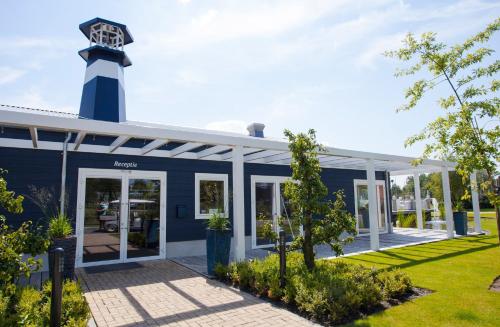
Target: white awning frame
point(255, 149)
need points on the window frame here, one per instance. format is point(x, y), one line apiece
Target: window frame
point(198, 177)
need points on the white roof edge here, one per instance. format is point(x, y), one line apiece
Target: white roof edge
point(177, 133)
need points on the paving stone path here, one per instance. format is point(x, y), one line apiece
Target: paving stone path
point(164, 293)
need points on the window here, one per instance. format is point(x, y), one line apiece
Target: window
point(211, 195)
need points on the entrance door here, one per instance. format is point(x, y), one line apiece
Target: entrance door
point(361, 206)
point(268, 206)
point(120, 216)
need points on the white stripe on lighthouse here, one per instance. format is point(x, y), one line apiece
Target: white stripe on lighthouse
point(104, 68)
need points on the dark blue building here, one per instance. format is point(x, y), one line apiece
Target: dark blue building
point(138, 191)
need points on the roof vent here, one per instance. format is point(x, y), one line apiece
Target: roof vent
point(256, 129)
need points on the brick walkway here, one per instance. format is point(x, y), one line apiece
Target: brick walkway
point(163, 293)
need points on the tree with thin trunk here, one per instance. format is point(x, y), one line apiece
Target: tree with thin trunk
point(323, 221)
point(468, 130)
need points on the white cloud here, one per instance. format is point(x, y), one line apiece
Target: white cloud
point(375, 50)
point(257, 20)
point(189, 77)
point(32, 98)
point(234, 126)
point(9, 74)
point(184, 2)
point(296, 103)
point(15, 44)
point(428, 19)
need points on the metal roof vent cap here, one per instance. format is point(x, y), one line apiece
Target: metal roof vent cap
point(256, 129)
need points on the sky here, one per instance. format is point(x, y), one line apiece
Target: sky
point(224, 64)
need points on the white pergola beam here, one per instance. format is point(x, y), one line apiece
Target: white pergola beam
point(118, 142)
point(174, 133)
point(372, 205)
point(447, 202)
point(229, 154)
point(278, 157)
point(262, 154)
point(34, 136)
point(184, 148)
point(78, 140)
point(418, 201)
point(141, 130)
point(153, 145)
point(475, 202)
point(238, 204)
point(213, 150)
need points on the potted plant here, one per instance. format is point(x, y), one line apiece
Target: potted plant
point(218, 241)
point(61, 235)
point(460, 219)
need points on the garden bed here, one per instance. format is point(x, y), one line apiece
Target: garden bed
point(335, 292)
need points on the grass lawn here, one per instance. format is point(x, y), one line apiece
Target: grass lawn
point(459, 271)
point(484, 214)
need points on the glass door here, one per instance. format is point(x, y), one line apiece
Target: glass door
point(361, 206)
point(143, 224)
point(265, 212)
point(101, 225)
point(291, 230)
point(271, 211)
point(120, 216)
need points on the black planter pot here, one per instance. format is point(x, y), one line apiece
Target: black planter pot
point(218, 248)
point(460, 221)
point(68, 244)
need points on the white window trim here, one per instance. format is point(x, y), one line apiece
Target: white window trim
point(198, 177)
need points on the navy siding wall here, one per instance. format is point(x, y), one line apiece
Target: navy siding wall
point(43, 169)
point(26, 167)
point(334, 179)
point(180, 185)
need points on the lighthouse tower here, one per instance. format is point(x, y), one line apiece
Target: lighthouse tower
point(103, 96)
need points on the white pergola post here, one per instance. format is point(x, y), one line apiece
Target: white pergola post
point(418, 201)
point(238, 204)
point(447, 201)
point(475, 202)
point(372, 205)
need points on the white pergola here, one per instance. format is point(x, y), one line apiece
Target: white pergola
point(220, 146)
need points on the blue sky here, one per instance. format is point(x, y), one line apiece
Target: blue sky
point(223, 64)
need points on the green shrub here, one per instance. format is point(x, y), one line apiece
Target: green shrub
point(4, 309)
point(75, 311)
point(332, 292)
point(13, 243)
point(408, 221)
point(394, 283)
point(59, 227)
point(221, 271)
point(337, 290)
point(29, 307)
point(218, 221)
point(242, 274)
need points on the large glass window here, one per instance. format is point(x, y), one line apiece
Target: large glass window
point(211, 194)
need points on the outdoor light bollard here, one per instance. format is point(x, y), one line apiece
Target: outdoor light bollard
point(56, 295)
point(282, 249)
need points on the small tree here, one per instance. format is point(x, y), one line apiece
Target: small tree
point(468, 131)
point(323, 221)
point(13, 243)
